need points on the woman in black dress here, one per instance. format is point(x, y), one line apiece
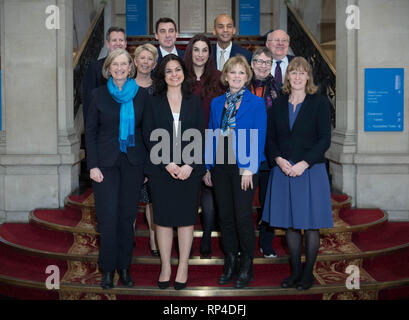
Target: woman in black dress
point(174, 177)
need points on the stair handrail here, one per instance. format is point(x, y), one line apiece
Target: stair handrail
point(308, 32)
point(303, 43)
point(88, 35)
point(89, 50)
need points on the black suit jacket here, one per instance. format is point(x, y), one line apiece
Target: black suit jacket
point(158, 115)
point(235, 50)
point(92, 79)
point(102, 129)
point(310, 136)
point(181, 54)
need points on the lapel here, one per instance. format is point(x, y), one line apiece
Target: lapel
point(166, 111)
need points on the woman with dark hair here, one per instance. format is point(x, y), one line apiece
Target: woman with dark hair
point(174, 177)
point(205, 78)
point(298, 193)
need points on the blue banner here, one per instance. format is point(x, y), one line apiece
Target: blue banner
point(136, 17)
point(384, 99)
point(249, 17)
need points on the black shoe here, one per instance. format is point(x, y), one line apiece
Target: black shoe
point(125, 277)
point(291, 281)
point(229, 268)
point(154, 253)
point(205, 248)
point(179, 285)
point(246, 274)
point(163, 284)
point(305, 284)
point(107, 280)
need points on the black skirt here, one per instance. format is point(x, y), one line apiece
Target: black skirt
point(175, 202)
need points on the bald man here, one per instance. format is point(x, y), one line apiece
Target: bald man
point(278, 42)
point(224, 49)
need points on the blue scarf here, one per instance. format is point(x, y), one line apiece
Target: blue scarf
point(127, 117)
point(229, 119)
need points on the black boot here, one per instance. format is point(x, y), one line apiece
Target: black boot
point(246, 274)
point(229, 268)
point(125, 277)
point(206, 246)
point(107, 280)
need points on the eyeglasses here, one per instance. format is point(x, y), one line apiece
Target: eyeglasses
point(261, 62)
point(278, 40)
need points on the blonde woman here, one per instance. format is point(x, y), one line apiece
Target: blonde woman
point(145, 59)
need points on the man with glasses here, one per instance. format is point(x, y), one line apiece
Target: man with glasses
point(278, 42)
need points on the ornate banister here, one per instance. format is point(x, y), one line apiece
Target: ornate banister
point(89, 50)
point(303, 43)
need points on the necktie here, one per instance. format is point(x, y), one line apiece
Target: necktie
point(277, 74)
point(221, 60)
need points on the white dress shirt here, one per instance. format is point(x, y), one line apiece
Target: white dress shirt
point(165, 53)
point(283, 65)
point(226, 53)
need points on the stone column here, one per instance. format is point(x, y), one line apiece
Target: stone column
point(372, 167)
point(40, 161)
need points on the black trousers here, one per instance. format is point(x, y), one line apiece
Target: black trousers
point(266, 235)
point(116, 203)
point(235, 212)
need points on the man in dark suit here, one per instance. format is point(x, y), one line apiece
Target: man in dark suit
point(278, 42)
point(93, 78)
point(224, 49)
point(166, 33)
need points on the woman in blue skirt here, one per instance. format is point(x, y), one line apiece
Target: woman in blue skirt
point(298, 193)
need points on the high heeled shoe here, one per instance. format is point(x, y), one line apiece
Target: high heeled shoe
point(154, 253)
point(163, 284)
point(179, 285)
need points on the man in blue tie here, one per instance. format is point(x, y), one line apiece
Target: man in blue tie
point(278, 42)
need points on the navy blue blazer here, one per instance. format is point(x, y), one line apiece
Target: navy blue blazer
point(235, 50)
point(92, 79)
point(310, 136)
point(158, 115)
point(102, 129)
point(250, 115)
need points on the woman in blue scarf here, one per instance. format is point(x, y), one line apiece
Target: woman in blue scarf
point(234, 151)
point(115, 158)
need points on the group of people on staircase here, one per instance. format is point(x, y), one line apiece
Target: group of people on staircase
point(206, 126)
